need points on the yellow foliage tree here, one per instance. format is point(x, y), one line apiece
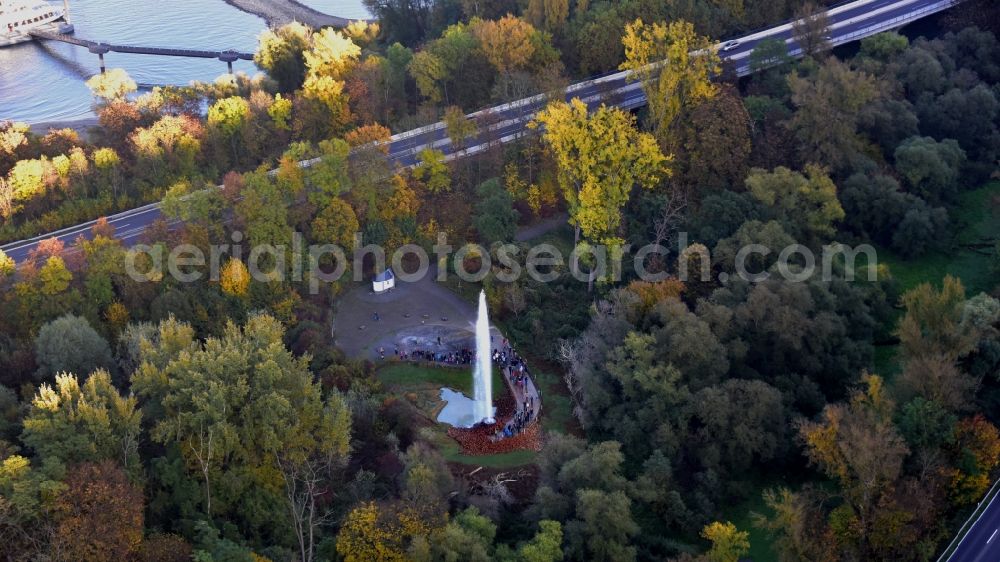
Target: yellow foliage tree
point(111, 85)
point(54, 276)
point(7, 265)
point(363, 539)
point(234, 278)
point(600, 158)
point(332, 54)
point(728, 543)
point(507, 42)
point(675, 65)
point(117, 315)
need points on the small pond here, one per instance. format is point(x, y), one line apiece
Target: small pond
point(458, 410)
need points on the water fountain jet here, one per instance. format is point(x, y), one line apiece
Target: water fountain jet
point(482, 372)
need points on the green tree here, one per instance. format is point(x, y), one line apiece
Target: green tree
point(828, 107)
point(546, 546)
point(884, 46)
point(69, 344)
point(329, 178)
point(604, 529)
point(427, 71)
point(264, 211)
point(234, 403)
point(931, 168)
point(469, 536)
point(495, 218)
point(281, 53)
point(806, 204)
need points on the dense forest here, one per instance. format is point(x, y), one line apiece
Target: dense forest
point(853, 417)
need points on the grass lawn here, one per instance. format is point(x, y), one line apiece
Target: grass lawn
point(408, 377)
point(557, 408)
point(741, 515)
point(975, 223)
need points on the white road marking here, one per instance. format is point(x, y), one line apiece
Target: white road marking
point(991, 536)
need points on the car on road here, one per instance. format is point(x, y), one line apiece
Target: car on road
point(729, 45)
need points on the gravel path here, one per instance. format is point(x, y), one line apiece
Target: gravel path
point(279, 12)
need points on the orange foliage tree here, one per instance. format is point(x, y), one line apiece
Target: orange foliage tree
point(100, 514)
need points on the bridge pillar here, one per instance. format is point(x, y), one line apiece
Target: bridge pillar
point(228, 57)
point(101, 56)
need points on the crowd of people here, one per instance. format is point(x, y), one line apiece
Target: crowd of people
point(464, 356)
point(516, 370)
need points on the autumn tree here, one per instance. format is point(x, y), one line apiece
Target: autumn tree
point(111, 85)
point(550, 15)
point(459, 128)
point(978, 447)
point(728, 543)
point(71, 423)
point(507, 42)
point(381, 534)
point(828, 108)
point(335, 224)
point(713, 144)
point(281, 53)
point(676, 67)
point(7, 265)
point(806, 204)
point(234, 278)
point(599, 158)
point(935, 323)
point(99, 514)
point(228, 117)
point(433, 171)
point(859, 446)
point(811, 28)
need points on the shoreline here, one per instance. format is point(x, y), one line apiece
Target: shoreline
point(80, 125)
point(280, 12)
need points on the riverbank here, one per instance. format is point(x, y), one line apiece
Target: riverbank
point(81, 126)
point(279, 12)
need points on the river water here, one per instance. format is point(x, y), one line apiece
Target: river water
point(42, 82)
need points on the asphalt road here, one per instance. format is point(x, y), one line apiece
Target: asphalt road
point(982, 542)
point(848, 22)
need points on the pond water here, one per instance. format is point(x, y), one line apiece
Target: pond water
point(459, 409)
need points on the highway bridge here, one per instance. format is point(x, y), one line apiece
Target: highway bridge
point(848, 22)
